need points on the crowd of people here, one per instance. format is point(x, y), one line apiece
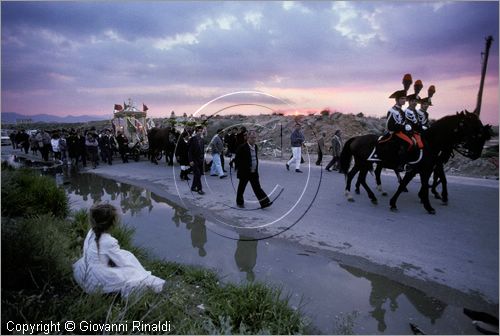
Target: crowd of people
point(73, 146)
point(79, 147)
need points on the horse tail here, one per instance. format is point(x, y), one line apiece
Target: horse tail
point(345, 157)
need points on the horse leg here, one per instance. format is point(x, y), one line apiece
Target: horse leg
point(167, 156)
point(378, 173)
point(350, 176)
point(436, 180)
point(358, 183)
point(400, 179)
point(424, 191)
point(153, 157)
point(444, 183)
point(434, 186)
point(404, 182)
point(362, 178)
point(170, 157)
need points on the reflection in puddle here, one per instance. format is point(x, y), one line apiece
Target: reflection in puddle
point(328, 290)
point(246, 256)
point(384, 295)
point(198, 234)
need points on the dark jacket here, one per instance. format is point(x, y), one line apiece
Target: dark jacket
point(297, 138)
point(395, 119)
point(243, 161)
point(122, 142)
point(196, 149)
point(73, 145)
point(107, 143)
point(182, 153)
point(230, 140)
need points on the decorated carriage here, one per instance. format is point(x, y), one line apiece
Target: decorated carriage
point(134, 125)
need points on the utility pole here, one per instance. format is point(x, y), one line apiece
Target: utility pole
point(484, 57)
point(281, 139)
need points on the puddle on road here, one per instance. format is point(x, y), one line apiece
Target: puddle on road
point(329, 294)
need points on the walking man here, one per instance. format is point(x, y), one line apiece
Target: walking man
point(195, 157)
point(247, 167)
point(297, 139)
point(336, 150)
point(230, 141)
point(182, 156)
point(321, 148)
point(217, 152)
point(122, 141)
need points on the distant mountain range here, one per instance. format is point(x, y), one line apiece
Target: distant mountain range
point(12, 117)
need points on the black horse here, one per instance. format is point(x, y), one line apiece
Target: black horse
point(463, 132)
point(438, 178)
point(162, 140)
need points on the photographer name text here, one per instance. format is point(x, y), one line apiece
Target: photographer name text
point(87, 326)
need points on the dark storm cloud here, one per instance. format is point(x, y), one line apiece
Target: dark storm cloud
point(80, 46)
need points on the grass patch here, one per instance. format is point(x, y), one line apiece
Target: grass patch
point(25, 193)
point(41, 240)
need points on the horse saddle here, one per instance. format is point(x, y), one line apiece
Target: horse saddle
point(385, 146)
point(374, 157)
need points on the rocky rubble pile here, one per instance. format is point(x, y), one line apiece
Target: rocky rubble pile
point(274, 131)
point(486, 166)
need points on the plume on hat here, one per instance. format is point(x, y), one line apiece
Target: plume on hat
point(407, 80)
point(431, 91)
point(418, 86)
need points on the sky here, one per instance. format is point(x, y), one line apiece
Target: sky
point(81, 58)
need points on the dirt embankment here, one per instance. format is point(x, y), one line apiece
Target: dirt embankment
point(274, 129)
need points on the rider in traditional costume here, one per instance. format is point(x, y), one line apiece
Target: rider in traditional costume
point(411, 117)
point(403, 124)
point(422, 114)
point(395, 115)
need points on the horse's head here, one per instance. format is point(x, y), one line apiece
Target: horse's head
point(473, 134)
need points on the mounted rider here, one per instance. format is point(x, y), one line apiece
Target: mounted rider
point(402, 124)
point(422, 114)
point(411, 118)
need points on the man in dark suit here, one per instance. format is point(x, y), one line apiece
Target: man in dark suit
point(195, 157)
point(247, 167)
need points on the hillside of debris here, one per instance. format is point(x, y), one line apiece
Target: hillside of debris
point(274, 135)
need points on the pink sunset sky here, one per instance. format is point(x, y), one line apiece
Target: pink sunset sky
point(81, 58)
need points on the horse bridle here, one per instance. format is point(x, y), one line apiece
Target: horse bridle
point(460, 147)
point(462, 150)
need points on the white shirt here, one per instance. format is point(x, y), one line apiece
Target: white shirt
point(55, 145)
point(253, 155)
point(94, 273)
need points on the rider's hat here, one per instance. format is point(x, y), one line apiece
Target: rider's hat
point(430, 92)
point(425, 100)
point(407, 80)
point(412, 97)
point(398, 94)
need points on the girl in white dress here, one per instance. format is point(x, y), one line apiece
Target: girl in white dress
point(106, 268)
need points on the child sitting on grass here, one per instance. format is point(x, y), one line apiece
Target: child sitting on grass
point(106, 268)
